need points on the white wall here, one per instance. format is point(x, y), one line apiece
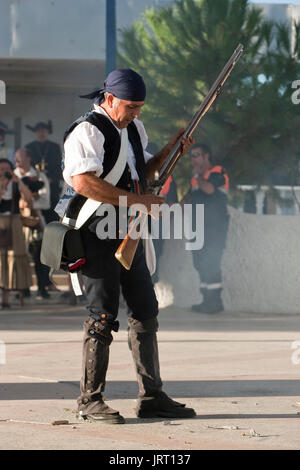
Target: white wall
point(56, 29)
point(75, 29)
point(261, 267)
point(60, 108)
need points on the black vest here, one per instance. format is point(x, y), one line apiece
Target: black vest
point(112, 145)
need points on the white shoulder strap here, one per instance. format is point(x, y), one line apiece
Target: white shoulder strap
point(90, 205)
point(150, 254)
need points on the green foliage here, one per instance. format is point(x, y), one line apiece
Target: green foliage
point(253, 126)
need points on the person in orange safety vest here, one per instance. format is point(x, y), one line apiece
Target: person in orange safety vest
point(209, 186)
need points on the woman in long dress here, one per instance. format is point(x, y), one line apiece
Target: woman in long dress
point(14, 261)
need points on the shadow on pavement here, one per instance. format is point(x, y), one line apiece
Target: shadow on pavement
point(179, 389)
point(61, 318)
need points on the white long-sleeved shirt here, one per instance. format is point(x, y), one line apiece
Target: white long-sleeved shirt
point(84, 149)
point(43, 201)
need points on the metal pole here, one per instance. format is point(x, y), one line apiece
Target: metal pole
point(110, 36)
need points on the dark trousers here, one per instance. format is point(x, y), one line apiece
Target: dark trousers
point(104, 276)
point(41, 271)
point(207, 261)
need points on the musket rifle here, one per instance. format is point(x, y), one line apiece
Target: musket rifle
point(127, 248)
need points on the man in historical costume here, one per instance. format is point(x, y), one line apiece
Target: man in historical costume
point(5, 152)
point(92, 146)
point(47, 155)
point(39, 185)
point(209, 186)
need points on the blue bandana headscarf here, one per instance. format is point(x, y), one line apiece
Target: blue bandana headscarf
point(122, 83)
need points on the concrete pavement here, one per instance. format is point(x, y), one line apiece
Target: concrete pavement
point(239, 371)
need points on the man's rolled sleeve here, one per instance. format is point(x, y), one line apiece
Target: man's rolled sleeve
point(83, 151)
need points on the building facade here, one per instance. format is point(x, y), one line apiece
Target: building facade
point(53, 50)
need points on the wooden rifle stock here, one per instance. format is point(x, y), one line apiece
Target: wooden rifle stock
point(126, 251)
point(127, 248)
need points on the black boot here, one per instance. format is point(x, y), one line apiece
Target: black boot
point(91, 406)
point(152, 401)
point(212, 302)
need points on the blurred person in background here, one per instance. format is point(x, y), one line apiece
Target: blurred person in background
point(5, 152)
point(47, 155)
point(14, 261)
point(209, 186)
point(39, 185)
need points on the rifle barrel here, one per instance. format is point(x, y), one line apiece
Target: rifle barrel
point(127, 248)
point(204, 107)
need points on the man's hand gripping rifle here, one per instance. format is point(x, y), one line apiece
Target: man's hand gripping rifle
point(127, 248)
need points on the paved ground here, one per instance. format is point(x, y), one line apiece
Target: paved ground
point(238, 371)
